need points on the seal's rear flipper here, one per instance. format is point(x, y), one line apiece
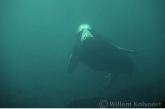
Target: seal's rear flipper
point(110, 79)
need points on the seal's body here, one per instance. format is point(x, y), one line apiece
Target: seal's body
point(99, 54)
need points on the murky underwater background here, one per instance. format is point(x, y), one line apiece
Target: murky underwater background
point(36, 39)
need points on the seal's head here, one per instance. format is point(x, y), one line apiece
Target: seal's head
point(83, 27)
point(84, 32)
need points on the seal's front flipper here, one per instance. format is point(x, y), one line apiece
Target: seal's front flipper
point(73, 62)
point(127, 50)
point(110, 78)
point(124, 50)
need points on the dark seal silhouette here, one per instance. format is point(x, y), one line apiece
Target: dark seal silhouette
point(99, 54)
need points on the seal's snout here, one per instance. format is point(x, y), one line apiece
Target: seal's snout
point(84, 26)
